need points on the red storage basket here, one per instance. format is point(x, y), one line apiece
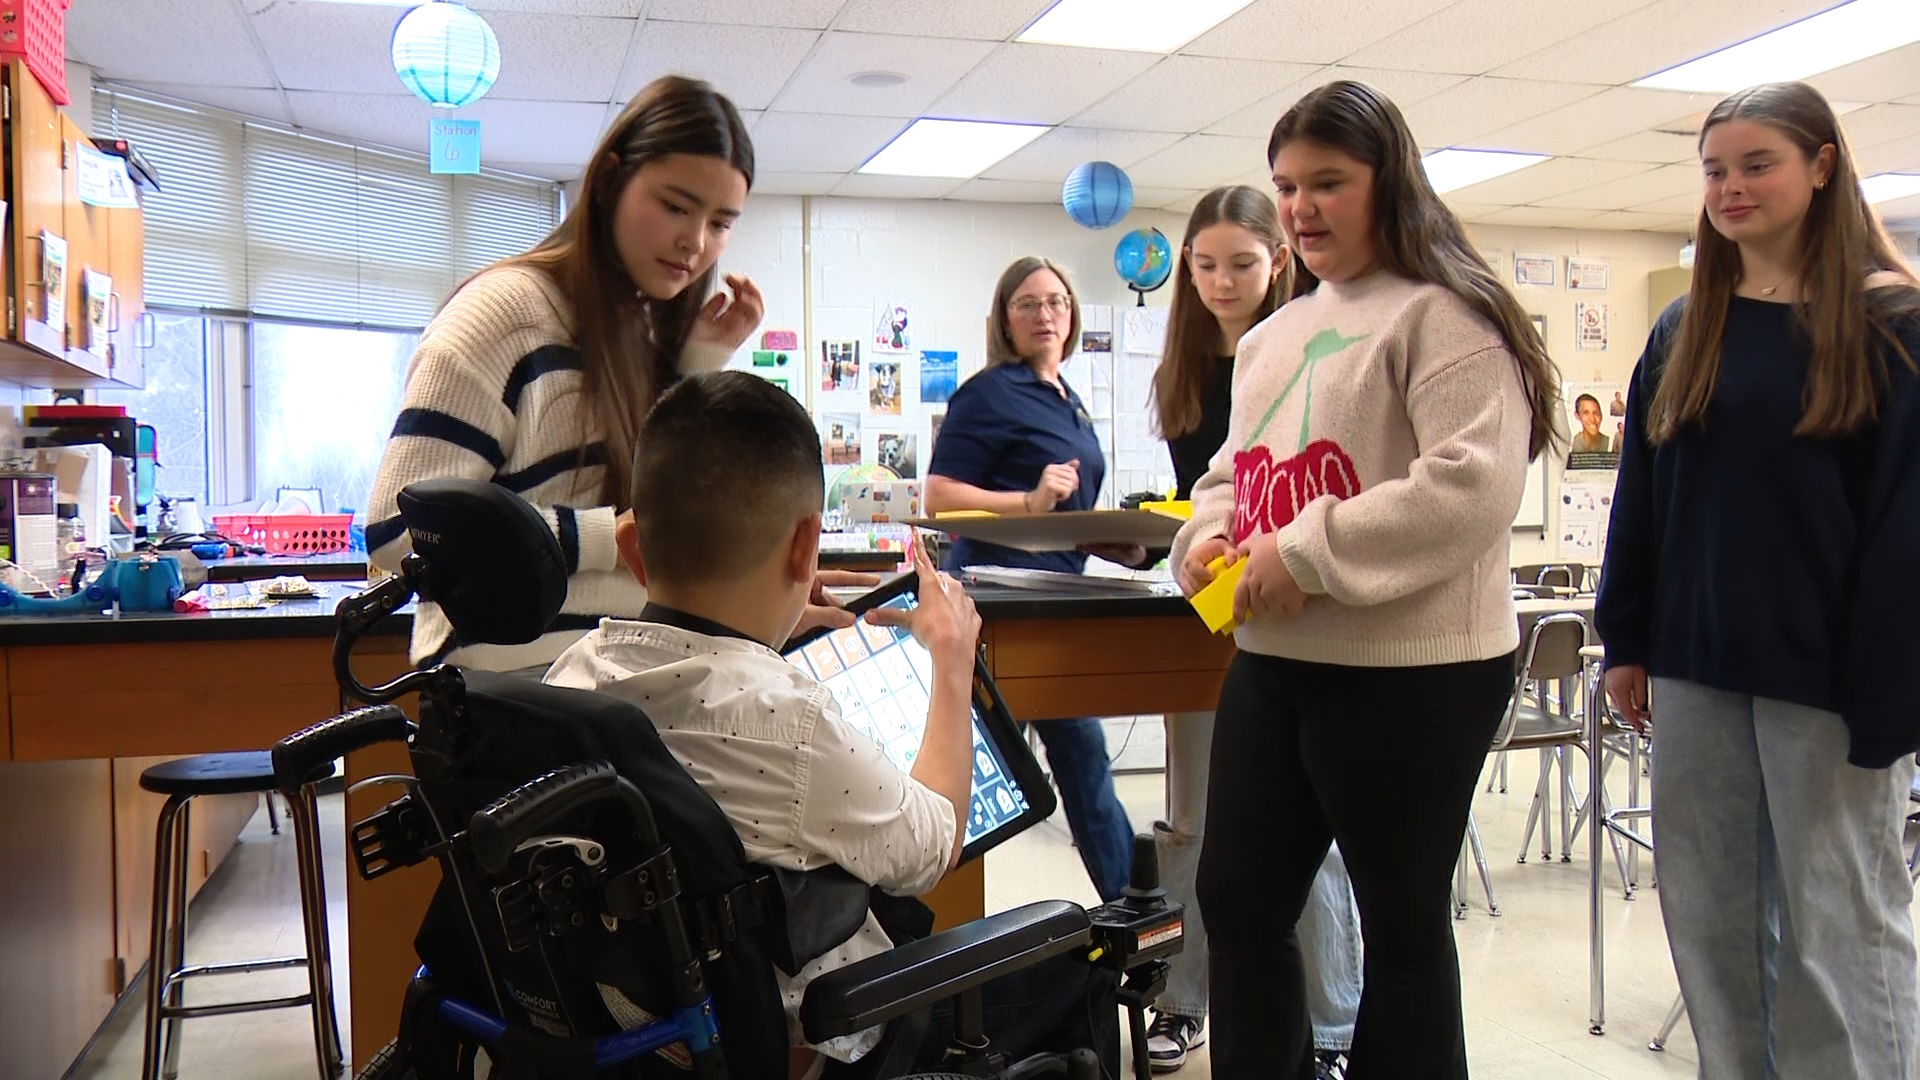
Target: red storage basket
point(37, 30)
point(287, 534)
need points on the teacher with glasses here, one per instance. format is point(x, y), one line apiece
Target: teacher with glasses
point(1017, 440)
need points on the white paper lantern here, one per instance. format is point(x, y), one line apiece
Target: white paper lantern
point(445, 53)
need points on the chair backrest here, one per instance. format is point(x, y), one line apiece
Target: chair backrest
point(1551, 651)
point(1523, 591)
point(1564, 575)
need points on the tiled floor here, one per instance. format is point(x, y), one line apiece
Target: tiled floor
point(1524, 973)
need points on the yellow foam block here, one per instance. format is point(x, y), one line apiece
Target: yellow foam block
point(965, 514)
point(1215, 602)
point(1180, 508)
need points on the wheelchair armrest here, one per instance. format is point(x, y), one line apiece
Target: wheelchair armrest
point(933, 969)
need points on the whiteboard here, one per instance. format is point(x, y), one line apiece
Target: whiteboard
point(1533, 499)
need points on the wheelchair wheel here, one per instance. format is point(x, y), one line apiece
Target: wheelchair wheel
point(387, 1065)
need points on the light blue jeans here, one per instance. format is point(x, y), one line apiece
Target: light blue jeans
point(1784, 887)
point(1329, 929)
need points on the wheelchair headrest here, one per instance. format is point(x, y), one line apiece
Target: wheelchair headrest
point(486, 557)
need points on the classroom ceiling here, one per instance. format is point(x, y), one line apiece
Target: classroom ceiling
point(1545, 76)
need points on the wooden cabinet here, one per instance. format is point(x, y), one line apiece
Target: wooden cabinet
point(1666, 286)
point(43, 196)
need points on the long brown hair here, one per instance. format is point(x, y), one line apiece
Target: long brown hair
point(1193, 333)
point(1415, 235)
point(1000, 347)
point(1841, 244)
point(629, 344)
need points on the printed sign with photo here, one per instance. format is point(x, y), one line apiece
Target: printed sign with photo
point(939, 375)
point(840, 443)
point(839, 365)
point(897, 450)
point(891, 332)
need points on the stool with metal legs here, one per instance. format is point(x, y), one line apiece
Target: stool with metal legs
point(1617, 825)
point(1659, 1042)
point(238, 773)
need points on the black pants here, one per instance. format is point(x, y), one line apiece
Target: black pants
point(1384, 761)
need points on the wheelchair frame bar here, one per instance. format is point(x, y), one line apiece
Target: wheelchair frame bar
point(693, 1026)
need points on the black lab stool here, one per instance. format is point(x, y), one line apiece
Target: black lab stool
point(239, 773)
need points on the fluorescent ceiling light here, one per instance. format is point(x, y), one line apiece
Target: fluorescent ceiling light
point(1138, 25)
point(955, 148)
point(371, 3)
point(1888, 186)
point(1450, 169)
point(1831, 39)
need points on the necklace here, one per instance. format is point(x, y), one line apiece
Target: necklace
point(1775, 287)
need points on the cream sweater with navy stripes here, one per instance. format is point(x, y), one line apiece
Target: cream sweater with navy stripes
point(495, 392)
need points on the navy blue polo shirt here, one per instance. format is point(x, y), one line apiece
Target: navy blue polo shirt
point(1003, 428)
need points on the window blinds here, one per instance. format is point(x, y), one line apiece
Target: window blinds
point(252, 219)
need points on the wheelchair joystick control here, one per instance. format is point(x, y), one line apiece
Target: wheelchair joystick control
point(1134, 936)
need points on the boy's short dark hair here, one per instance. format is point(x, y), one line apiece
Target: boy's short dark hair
point(726, 464)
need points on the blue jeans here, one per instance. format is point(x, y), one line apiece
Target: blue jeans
point(1077, 750)
point(1784, 888)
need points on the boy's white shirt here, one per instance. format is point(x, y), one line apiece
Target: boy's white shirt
point(802, 788)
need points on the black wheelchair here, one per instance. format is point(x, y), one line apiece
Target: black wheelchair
point(596, 915)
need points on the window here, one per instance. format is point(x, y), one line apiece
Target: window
point(324, 400)
point(252, 219)
point(175, 404)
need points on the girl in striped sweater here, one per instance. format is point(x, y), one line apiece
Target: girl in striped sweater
point(537, 372)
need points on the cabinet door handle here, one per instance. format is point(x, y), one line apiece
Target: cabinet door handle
point(144, 327)
point(113, 313)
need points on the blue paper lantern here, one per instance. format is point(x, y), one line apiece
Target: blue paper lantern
point(445, 53)
point(1097, 194)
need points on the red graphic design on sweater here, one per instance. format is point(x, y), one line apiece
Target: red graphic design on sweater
point(1268, 494)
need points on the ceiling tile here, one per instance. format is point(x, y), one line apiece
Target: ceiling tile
point(1889, 76)
point(264, 104)
point(1050, 157)
point(1882, 123)
point(806, 14)
point(1404, 87)
point(1657, 36)
point(810, 142)
point(1635, 220)
point(980, 20)
point(1900, 211)
point(1687, 206)
point(1014, 191)
point(1462, 114)
point(749, 64)
point(167, 41)
point(397, 120)
point(895, 187)
point(932, 66)
point(1466, 211)
point(1199, 161)
point(1541, 217)
point(1474, 37)
point(1555, 176)
point(1662, 182)
point(616, 9)
point(561, 173)
point(1653, 147)
point(1187, 93)
point(1039, 84)
point(795, 183)
point(1185, 203)
point(550, 58)
point(549, 132)
point(1310, 33)
point(1602, 118)
point(1900, 155)
point(340, 48)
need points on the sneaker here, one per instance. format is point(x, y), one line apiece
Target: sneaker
point(1329, 1065)
point(1169, 1039)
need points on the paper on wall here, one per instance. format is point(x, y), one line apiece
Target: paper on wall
point(1586, 274)
point(1590, 325)
point(1144, 331)
point(103, 180)
point(1586, 504)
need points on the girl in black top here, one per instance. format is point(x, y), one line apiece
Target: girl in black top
point(1235, 270)
point(1759, 573)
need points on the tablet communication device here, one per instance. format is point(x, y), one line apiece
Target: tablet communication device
point(881, 677)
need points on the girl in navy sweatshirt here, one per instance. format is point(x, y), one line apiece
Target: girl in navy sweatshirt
point(1759, 576)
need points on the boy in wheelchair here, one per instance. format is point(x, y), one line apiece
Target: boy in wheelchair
point(727, 490)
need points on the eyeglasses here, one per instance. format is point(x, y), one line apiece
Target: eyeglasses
point(1027, 306)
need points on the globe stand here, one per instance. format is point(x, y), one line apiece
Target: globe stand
point(1140, 294)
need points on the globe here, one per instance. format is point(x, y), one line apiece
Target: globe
point(857, 474)
point(1143, 259)
point(1097, 194)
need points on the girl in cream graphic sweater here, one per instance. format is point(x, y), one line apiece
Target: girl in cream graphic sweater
point(1376, 452)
